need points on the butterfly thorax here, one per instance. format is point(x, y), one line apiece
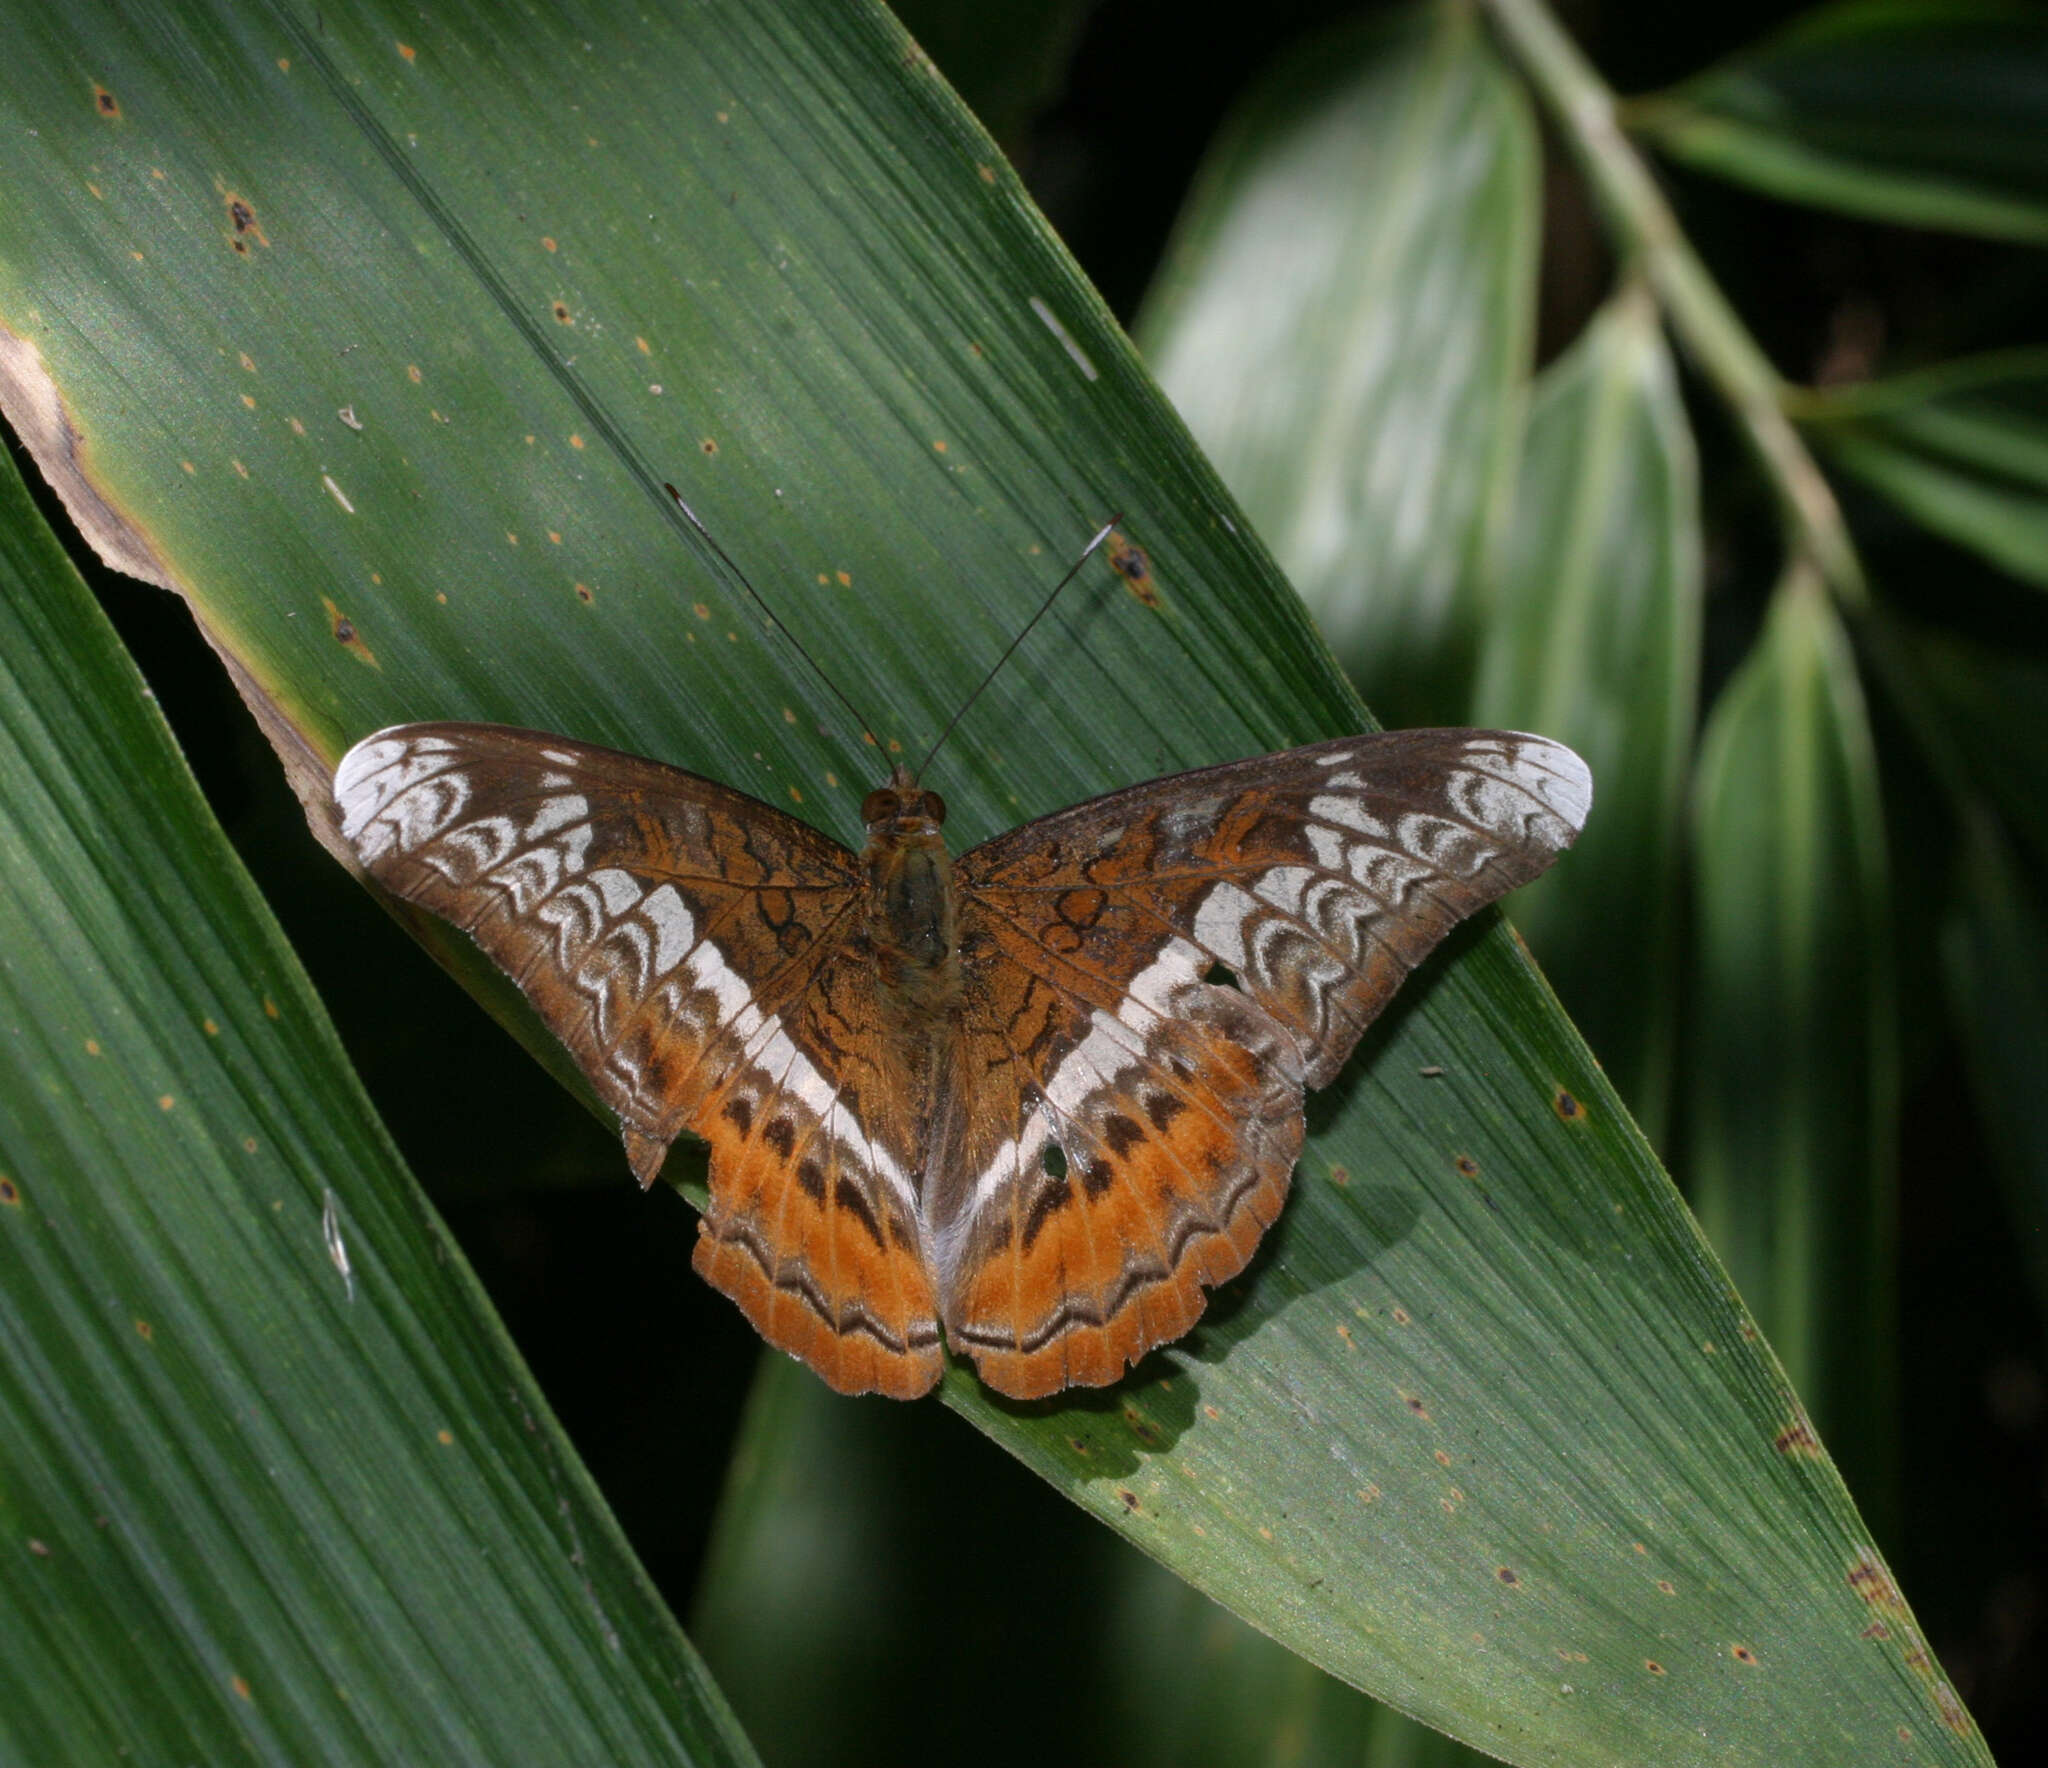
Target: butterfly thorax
point(912, 908)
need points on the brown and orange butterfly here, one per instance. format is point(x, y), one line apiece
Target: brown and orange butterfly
point(1032, 1099)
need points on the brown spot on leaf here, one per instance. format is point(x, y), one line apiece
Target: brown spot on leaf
point(1131, 563)
point(345, 634)
point(1567, 1107)
point(106, 103)
point(10, 1193)
point(144, 1330)
point(583, 592)
point(561, 313)
point(1340, 1175)
point(1129, 1497)
point(1414, 1404)
point(1507, 1575)
point(1653, 1666)
point(1742, 1654)
point(1797, 1438)
point(1467, 1165)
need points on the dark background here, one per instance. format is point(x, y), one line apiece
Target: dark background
point(1108, 119)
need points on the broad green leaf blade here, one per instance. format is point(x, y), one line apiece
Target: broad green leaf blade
point(840, 1535)
point(1962, 448)
point(273, 1485)
point(1923, 113)
point(1794, 1107)
point(1595, 641)
point(1345, 320)
point(1994, 953)
point(1484, 1310)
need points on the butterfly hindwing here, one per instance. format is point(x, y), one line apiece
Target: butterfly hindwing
point(688, 946)
point(1153, 976)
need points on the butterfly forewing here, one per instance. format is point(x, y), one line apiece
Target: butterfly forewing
point(1153, 976)
point(689, 946)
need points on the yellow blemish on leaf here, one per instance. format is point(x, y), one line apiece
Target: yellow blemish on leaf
point(92, 1046)
point(412, 373)
point(407, 50)
point(284, 64)
point(298, 429)
point(248, 362)
point(241, 470)
point(511, 539)
point(189, 467)
point(938, 448)
point(554, 538)
point(210, 1027)
point(646, 349)
point(788, 715)
point(446, 1438)
point(165, 1102)
point(143, 1329)
point(575, 441)
point(988, 174)
point(845, 579)
point(240, 1687)
point(700, 610)
point(249, 399)
point(831, 779)
point(248, 1144)
point(796, 795)
point(548, 245)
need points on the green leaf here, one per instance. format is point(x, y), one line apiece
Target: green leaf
point(1794, 1107)
point(1962, 448)
point(1595, 641)
point(1344, 320)
point(1922, 113)
point(272, 1483)
point(1485, 1399)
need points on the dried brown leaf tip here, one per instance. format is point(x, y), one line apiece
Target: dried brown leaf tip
point(1134, 566)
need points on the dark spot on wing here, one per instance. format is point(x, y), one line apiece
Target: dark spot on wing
point(1163, 1108)
point(1048, 1201)
point(1121, 1134)
point(739, 1112)
point(847, 1196)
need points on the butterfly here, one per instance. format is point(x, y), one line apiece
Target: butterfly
point(1024, 1105)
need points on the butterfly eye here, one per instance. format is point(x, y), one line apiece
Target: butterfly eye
point(935, 807)
point(879, 805)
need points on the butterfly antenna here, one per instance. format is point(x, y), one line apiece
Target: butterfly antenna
point(725, 558)
point(1010, 650)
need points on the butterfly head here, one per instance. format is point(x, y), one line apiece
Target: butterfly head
point(902, 808)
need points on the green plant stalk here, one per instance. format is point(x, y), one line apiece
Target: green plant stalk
point(1584, 109)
